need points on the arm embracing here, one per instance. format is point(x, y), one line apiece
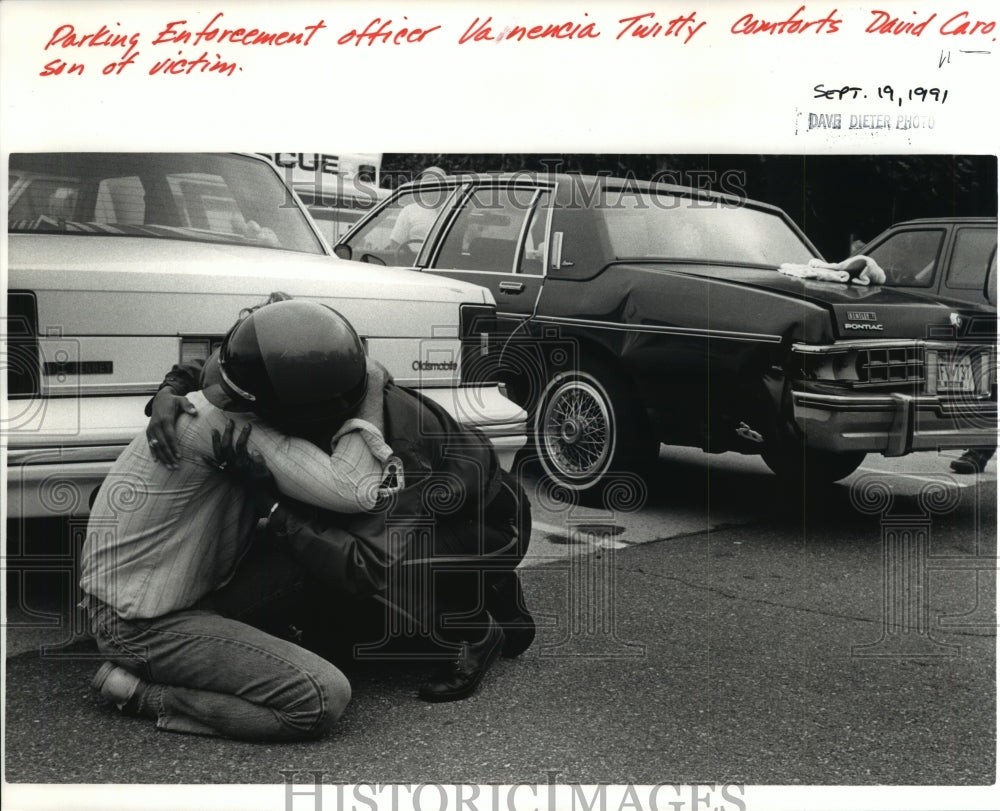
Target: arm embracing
point(166, 406)
point(343, 482)
point(346, 480)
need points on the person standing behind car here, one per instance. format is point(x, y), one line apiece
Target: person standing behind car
point(164, 541)
point(416, 219)
point(974, 460)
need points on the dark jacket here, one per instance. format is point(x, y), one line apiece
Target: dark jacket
point(447, 509)
point(455, 504)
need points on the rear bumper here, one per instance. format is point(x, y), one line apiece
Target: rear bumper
point(893, 424)
point(61, 450)
point(503, 421)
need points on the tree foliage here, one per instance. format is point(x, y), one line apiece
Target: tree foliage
point(833, 198)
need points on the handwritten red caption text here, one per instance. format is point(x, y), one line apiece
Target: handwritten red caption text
point(174, 32)
point(960, 24)
point(378, 31)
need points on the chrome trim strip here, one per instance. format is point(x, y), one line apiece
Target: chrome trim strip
point(660, 329)
point(101, 389)
point(916, 343)
point(41, 455)
point(891, 401)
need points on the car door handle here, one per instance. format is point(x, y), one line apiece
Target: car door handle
point(511, 287)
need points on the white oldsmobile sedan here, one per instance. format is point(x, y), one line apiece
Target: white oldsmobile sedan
point(123, 264)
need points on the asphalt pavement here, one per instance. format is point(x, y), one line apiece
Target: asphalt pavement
point(846, 641)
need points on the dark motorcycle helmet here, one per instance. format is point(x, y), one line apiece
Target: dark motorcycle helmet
point(293, 363)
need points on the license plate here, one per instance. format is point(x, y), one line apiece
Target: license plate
point(955, 375)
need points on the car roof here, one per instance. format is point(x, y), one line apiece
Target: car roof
point(557, 179)
point(949, 220)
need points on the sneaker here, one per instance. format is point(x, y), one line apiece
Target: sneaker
point(118, 686)
point(460, 678)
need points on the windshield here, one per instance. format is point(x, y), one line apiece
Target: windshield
point(643, 225)
point(190, 196)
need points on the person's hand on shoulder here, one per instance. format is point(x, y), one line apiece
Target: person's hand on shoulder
point(161, 430)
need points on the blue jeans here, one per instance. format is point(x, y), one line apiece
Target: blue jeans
point(211, 674)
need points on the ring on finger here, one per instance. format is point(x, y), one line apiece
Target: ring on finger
point(153, 443)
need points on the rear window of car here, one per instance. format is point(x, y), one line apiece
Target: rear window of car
point(642, 225)
point(184, 196)
point(974, 247)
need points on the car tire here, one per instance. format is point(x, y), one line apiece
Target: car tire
point(587, 426)
point(810, 466)
point(786, 453)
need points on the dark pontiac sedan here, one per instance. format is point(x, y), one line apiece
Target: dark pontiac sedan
point(632, 314)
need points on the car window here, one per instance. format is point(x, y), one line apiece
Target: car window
point(335, 211)
point(190, 196)
point(397, 233)
point(644, 225)
point(488, 232)
point(909, 258)
point(971, 257)
point(532, 260)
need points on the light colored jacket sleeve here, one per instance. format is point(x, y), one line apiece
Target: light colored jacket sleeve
point(348, 478)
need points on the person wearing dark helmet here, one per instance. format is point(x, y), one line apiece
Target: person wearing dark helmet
point(166, 547)
point(454, 523)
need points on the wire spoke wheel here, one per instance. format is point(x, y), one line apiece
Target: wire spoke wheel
point(577, 430)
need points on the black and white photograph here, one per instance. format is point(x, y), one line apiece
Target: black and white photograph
point(524, 461)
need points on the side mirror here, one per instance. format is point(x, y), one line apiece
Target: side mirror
point(372, 259)
point(343, 251)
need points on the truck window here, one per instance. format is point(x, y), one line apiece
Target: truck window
point(909, 258)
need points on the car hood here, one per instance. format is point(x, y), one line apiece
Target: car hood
point(166, 265)
point(860, 311)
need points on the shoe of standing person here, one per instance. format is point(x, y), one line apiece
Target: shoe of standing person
point(973, 460)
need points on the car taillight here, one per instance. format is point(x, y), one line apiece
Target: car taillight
point(480, 356)
point(198, 348)
point(21, 344)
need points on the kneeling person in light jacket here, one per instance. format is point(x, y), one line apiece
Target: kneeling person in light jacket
point(164, 566)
